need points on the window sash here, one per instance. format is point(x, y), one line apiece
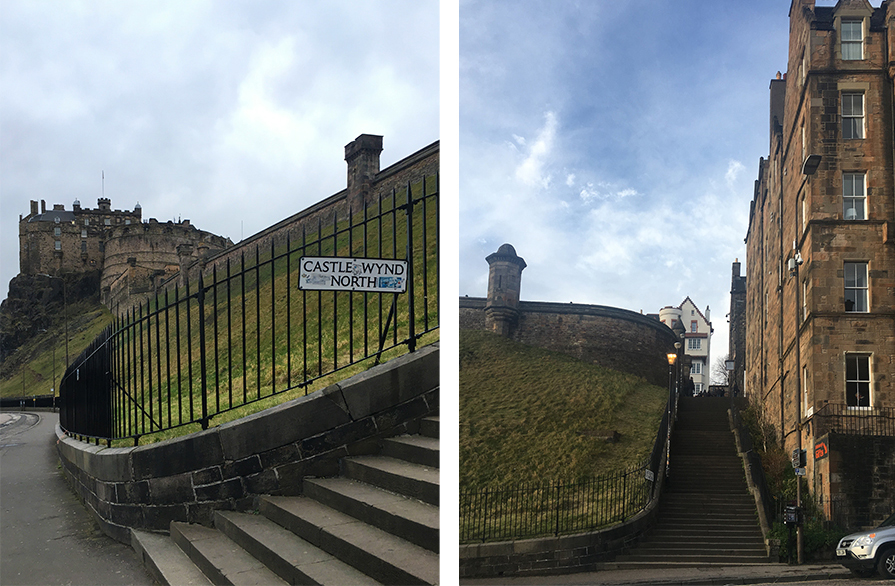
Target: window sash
point(857, 380)
point(855, 277)
point(853, 196)
point(852, 116)
point(852, 34)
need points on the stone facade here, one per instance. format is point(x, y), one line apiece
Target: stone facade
point(736, 346)
point(615, 338)
point(820, 299)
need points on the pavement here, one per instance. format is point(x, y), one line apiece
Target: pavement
point(693, 576)
point(47, 536)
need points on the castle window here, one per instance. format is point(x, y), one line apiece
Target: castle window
point(852, 115)
point(108, 221)
point(84, 246)
point(58, 245)
point(83, 233)
point(57, 232)
point(856, 287)
point(852, 40)
point(857, 380)
point(127, 222)
point(86, 221)
point(853, 195)
point(56, 219)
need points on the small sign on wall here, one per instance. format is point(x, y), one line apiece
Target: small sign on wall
point(371, 275)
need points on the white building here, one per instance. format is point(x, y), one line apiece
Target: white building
point(697, 339)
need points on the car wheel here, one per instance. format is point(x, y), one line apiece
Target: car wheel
point(886, 563)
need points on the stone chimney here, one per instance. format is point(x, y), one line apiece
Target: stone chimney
point(362, 156)
point(504, 286)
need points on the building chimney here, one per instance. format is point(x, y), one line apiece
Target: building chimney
point(362, 156)
point(43, 206)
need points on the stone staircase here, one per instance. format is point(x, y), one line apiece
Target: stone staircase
point(706, 514)
point(377, 523)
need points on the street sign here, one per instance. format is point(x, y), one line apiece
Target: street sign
point(821, 448)
point(371, 275)
point(650, 476)
point(798, 458)
point(800, 472)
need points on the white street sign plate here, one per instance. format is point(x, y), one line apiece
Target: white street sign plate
point(800, 472)
point(371, 275)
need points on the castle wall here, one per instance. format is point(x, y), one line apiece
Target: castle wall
point(139, 257)
point(614, 338)
point(423, 163)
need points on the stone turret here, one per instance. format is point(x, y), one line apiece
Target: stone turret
point(362, 156)
point(504, 286)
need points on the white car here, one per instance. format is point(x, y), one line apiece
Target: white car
point(870, 550)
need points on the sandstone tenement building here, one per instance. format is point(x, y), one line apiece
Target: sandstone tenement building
point(820, 270)
point(615, 338)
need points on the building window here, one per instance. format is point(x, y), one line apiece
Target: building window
point(83, 247)
point(805, 401)
point(86, 221)
point(857, 380)
point(697, 367)
point(853, 196)
point(83, 233)
point(697, 388)
point(58, 245)
point(108, 221)
point(852, 40)
point(127, 222)
point(57, 232)
point(694, 344)
point(694, 326)
point(852, 115)
point(856, 287)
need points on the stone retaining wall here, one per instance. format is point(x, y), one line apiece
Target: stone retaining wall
point(270, 452)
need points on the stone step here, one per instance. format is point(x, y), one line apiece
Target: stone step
point(287, 555)
point(408, 518)
point(166, 562)
point(383, 556)
point(219, 557)
point(429, 426)
point(729, 556)
point(418, 449)
point(413, 480)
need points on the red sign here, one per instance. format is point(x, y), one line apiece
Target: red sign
point(821, 449)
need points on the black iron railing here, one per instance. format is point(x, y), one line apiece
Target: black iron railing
point(538, 509)
point(244, 331)
point(847, 420)
point(552, 508)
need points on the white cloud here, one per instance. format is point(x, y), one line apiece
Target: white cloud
point(531, 170)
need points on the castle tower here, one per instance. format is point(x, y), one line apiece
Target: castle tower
point(504, 285)
point(362, 156)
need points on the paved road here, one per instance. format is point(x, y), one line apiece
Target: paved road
point(46, 534)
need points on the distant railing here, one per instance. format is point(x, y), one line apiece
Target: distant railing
point(247, 332)
point(536, 509)
point(844, 419)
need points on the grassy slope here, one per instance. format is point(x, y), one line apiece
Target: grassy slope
point(85, 323)
point(527, 414)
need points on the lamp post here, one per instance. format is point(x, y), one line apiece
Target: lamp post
point(672, 356)
point(730, 365)
point(809, 167)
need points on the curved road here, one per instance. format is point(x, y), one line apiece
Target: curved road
point(46, 535)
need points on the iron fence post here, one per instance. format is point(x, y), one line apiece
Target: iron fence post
point(200, 297)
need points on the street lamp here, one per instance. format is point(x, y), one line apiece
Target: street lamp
point(672, 356)
point(809, 167)
point(730, 365)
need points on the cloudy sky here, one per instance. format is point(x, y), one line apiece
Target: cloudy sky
point(615, 145)
point(232, 113)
